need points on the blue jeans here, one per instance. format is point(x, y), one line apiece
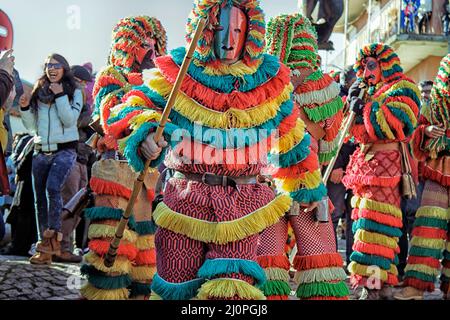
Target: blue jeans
point(49, 175)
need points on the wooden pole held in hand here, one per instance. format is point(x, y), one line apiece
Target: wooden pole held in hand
point(112, 252)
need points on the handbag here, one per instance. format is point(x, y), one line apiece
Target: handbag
point(408, 187)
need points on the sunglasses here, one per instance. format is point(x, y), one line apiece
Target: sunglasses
point(53, 66)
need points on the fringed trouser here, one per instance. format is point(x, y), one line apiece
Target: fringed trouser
point(132, 273)
point(207, 239)
point(430, 240)
point(320, 274)
point(375, 181)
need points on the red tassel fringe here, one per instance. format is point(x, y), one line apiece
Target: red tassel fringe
point(101, 186)
point(101, 247)
point(281, 262)
point(419, 284)
point(319, 261)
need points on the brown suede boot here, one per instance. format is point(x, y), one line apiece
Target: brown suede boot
point(41, 258)
point(51, 242)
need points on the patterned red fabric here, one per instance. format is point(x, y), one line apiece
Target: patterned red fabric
point(215, 203)
point(273, 239)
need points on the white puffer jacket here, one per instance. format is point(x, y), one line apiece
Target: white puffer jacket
point(55, 123)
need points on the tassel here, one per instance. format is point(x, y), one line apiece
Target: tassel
point(175, 291)
point(309, 290)
point(229, 288)
point(92, 293)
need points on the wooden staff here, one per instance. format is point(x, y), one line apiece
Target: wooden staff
point(112, 252)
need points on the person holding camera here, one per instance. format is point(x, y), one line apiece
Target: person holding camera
point(51, 114)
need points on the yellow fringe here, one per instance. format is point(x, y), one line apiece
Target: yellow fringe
point(393, 270)
point(97, 231)
point(311, 181)
point(364, 203)
point(229, 288)
point(145, 242)
point(428, 243)
point(446, 272)
point(146, 116)
point(407, 109)
point(154, 296)
point(433, 212)
point(422, 268)
point(447, 246)
point(232, 118)
point(223, 232)
point(239, 69)
point(142, 273)
point(277, 274)
point(291, 139)
point(356, 268)
point(383, 124)
point(92, 293)
point(122, 265)
point(375, 238)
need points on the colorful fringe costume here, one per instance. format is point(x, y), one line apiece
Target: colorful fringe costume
point(207, 235)
point(320, 273)
point(389, 116)
point(431, 237)
point(112, 180)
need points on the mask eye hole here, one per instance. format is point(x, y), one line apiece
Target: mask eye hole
point(237, 30)
point(218, 28)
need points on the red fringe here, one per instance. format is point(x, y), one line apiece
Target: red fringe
point(310, 164)
point(429, 173)
point(221, 101)
point(105, 81)
point(135, 78)
point(318, 261)
point(145, 258)
point(371, 181)
point(419, 284)
point(366, 115)
point(150, 194)
point(428, 261)
point(429, 233)
point(101, 186)
point(373, 249)
point(380, 218)
point(393, 122)
point(101, 247)
point(106, 112)
point(332, 132)
point(406, 100)
point(416, 141)
point(281, 262)
point(277, 298)
point(288, 123)
point(141, 95)
point(317, 85)
point(117, 128)
point(392, 279)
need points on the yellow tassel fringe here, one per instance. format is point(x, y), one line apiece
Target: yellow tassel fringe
point(122, 264)
point(142, 273)
point(277, 274)
point(104, 231)
point(364, 203)
point(433, 212)
point(428, 243)
point(223, 232)
point(291, 139)
point(375, 238)
point(145, 242)
point(92, 293)
point(356, 268)
point(229, 288)
point(422, 268)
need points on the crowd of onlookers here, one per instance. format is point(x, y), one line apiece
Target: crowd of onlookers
point(47, 165)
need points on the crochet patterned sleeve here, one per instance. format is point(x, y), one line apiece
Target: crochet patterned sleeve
point(393, 116)
point(296, 165)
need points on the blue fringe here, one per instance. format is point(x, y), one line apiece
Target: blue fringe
point(370, 260)
point(107, 213)
point(420, 275)
point(176, 291)
point(370, 225)
point(294, 156)
point(140, 289)
point(103, 281)
point(408, 93)
point(102, 93)
point(227, 83)
point(373, 120)
point(215, 267)
point(408, 129)
point(123, 113)
point(309, 195)
point(145, 227)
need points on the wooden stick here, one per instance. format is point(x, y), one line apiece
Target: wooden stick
point(112, 252)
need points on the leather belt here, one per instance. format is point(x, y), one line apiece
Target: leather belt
point(212, 179)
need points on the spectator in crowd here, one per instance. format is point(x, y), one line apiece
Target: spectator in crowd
point(22, 212)
point(425, 90)
point(89, 84)
point(51, 114)
point(78, 177)
point(446, 18)
point(425, 13)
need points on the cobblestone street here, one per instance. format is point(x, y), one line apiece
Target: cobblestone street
point(20, 280)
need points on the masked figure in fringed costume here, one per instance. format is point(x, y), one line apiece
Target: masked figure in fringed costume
point(385, 117)
point(320, 272)
point(137, 41)
point(430, 236)
point(235, 106)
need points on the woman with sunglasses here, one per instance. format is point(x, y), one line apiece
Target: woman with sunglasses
point(51, 114)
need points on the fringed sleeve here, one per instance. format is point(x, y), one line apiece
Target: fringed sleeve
point(296, 166)
point(128, 113)
point(392, 115)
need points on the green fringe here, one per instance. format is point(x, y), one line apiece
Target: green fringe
point(102, 280)
point(326, 157)
point(431, 222)
point(276, 288)
point(140, 289)
point(323, 289)
point(420, 275)
point(425, 252)
point(145, 227)
point(107, 213)
point(325, 111)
